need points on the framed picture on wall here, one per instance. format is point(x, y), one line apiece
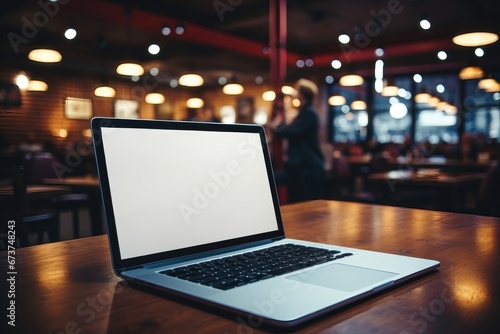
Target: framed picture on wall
point(76, 108)
point(126, 109)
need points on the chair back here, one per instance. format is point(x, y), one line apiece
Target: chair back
point(39, 166)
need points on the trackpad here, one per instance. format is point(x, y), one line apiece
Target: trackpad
point(342, 277)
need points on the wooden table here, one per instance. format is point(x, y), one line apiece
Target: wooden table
point(457, 165)
point(88, 184)
point(70, 287)
point(451, 188)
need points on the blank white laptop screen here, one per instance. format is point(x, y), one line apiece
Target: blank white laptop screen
point(173, 189)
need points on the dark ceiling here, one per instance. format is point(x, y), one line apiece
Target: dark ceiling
point(230, 37)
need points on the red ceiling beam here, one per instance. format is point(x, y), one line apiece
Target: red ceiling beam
point(153, 22)
point(353, 55)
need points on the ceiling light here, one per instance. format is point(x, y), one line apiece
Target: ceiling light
point(422, 97)
point(22, 81)
point(487, 83)
point(179, 30)
point(344, 38)
point(166, 30)
point(417, 78)
point(451, 109)
point(351, 80)
point(300, 63)
point(104, 91)
point(471, 72)
point(269, 96)
point(289, 90)
point(37, 86)
point(390, 89)
point(379, 52)
point(358, 104)
point(191, 80)
point(131, 69)
point(154, 98)
point(433, 101)
point(493, 88)
point(475, 39)
point(70, 33)
point(442, 55)
point(479, 52)
point(154, 49)
point(45, 56)
point(442, 105)
point(425, 24)
point(233, 89)
point(336, 64)
point(336, 100)
point(194, 103)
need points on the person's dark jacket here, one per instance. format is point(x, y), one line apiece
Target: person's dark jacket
point(303, 144)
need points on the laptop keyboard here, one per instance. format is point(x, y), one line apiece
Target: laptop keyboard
point(238, 270)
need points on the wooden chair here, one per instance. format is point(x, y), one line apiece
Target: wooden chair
point(28, 219)
point(44, 165)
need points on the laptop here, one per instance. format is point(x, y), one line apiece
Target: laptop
point(191, 208)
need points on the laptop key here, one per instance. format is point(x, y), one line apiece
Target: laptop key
point(238, 270)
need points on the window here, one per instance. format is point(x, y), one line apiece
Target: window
point(482, 111)
point(391, 114)
point(437, 120)
point(348, 124)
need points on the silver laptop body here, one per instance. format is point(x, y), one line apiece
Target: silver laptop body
point(177, 194)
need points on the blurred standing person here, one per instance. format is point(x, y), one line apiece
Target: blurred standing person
point(304, 164)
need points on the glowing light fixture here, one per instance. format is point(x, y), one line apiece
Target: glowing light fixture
point(154, 49)
point(154, 98)
point(358, 104)
point(336, 100)
point(70, 33)
point(191, 80)
point(351, 80)
point(433, 101)
point(232, 89)
point(289, 90)
point(390, 89)
point(22, 81)
point(422, 97)
point(194, 103)
point(451, 109)
point(487, 83)
point(269, 96)
point(131, 69)
point(473, 39)
point(493, 88)
point(45, 56)
point(104, 91)
point(37, 86)
point(344, 38)
point(471, 72)
point(442, 105)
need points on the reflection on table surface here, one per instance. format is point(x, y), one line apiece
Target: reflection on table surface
point(70, 286)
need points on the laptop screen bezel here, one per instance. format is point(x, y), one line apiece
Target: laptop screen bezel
point(119, 264)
